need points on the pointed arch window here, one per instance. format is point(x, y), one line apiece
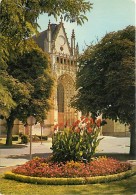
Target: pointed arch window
point(60, 98)
point(57, 59)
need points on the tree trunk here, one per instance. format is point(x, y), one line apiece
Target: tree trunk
point(10, 123)
point(133, 141)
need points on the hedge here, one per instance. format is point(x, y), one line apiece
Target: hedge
point(15, 137)
point(68, 181)
point(109, 178)
point(44, 137)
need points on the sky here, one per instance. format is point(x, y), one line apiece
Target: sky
point(106, 16)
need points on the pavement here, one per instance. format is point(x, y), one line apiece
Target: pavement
point(115, 147)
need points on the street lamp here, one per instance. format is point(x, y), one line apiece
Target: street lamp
point(41, 130)
point(31, 121)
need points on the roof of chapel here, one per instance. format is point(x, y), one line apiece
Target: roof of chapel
point(43, 35)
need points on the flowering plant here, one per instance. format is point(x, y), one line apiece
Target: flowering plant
point(77, 142)
point(42, 167)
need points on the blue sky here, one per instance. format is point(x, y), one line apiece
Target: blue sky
point(106, 16)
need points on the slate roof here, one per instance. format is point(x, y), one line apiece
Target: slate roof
point(43, 35)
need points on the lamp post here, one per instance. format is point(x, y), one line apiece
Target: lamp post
point(41, 130)
point(31, 121)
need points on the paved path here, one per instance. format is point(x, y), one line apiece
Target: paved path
point(114, 145)
point(17, 156)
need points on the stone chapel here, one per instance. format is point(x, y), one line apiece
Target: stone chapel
point(63, 57)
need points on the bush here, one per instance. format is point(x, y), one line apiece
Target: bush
point(38, 137)
point(68, 181)
point(44, 137)
point(35, 138)
point(78, 142)
point(14, 137)
point(24, 139)
point(20, 134)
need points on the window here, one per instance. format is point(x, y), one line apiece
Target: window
point(65, 61)
point(61, 60)
point(60, 98)
point(61, 48)
point(57, 59)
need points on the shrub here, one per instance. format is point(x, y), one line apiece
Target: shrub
point(20, 134)
point(24, 139)
point(46, 181)
point(14, 137)
point(44, 137)
point(68, 181)
point(77, 142)
point(38, 137)
point(35, 138)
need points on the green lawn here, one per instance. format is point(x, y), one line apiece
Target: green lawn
point(126, 186)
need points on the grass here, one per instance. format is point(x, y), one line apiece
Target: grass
point(126, 186)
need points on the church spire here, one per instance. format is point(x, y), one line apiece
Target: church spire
point(77, 49)
point(73, 34)
point(49, 25)
point(61, 18)
point(49, 37)
point(73, 42)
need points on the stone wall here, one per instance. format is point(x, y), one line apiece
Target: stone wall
point(113, 128)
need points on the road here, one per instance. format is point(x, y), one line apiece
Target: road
point(17, 156)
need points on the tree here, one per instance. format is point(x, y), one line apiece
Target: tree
point(106, 80)
point(18, 23)
point(31, 69)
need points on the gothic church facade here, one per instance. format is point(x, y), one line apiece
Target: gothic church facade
point(63, 57)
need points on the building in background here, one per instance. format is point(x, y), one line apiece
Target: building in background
point(63, 57)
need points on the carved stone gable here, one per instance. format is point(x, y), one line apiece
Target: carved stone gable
point(61, 42)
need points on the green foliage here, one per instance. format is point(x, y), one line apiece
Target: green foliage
point(20, 134)
point(14, 137)
point(68, 181)
point(19, 22)
point(46, 181)
point(125, 186)
point(76, 143)
point(38, 137)
point(24, 139)
point(105, 80)
point(35, 138)
point(39, 82)
point(44, 137)
point(109, 178)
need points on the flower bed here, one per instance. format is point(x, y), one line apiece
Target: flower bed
point(41, 167)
